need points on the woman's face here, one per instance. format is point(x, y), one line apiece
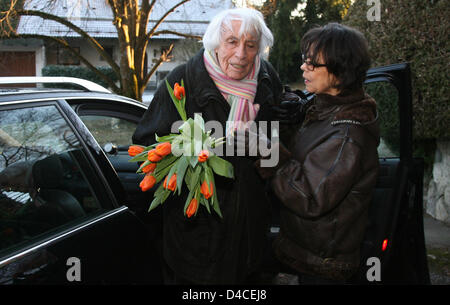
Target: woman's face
point(235, 54)
point(318, 79)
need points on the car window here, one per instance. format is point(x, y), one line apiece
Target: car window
point(386, 96)
point(44, 176)
point(108, 129)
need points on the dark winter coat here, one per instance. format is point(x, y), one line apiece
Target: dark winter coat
point(326, 184)
point(205, 248)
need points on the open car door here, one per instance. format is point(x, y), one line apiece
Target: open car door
point(393, 250)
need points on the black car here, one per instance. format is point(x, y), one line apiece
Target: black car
point(63, 210)
point(70, 199)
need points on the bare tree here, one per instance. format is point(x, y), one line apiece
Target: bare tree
point(130, 18)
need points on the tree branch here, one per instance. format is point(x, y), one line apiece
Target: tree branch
point(158, 23)
point(76, 29)
point(165, 56)
point(176, 33)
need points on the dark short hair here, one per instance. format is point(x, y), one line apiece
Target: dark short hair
point(344, 50)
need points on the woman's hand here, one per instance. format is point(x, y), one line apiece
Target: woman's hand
point(291, 109)
point(249, 143)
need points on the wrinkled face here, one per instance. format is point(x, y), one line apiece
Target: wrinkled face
point(317, 79)
point(236, 54)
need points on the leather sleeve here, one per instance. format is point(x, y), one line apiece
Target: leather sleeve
point(316, 186)
point(283, 156)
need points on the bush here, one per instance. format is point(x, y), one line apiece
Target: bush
point(288, 29)
point(387, 99)
point(78, 72)
point(414, 31)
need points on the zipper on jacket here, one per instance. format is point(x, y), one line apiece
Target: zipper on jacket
point(296, 188)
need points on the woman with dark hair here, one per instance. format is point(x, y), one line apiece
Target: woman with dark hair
point(325, 181)
point(343, 52)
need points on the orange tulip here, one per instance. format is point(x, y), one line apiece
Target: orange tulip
point(163, 149)
point(203, 156)
point(134, 150)
point(205, 190)
point(149, 168)
point(178, 91)
point(172, 184)
point(192, 208)
point(153, 156)
point(147, 183)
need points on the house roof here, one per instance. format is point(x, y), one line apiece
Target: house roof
point(95, 17)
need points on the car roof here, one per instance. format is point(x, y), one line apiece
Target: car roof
point(89, 90)
point(35, 95)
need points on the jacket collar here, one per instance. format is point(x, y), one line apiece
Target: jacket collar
point(356, 106)
point(326, 100)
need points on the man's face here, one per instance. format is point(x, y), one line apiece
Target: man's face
point(236, 54)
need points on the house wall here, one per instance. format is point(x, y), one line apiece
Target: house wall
point(27, 45)
point(95, 16)
point(182, 51)
point(50, 54)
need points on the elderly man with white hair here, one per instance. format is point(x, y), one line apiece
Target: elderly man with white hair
point(228, 80)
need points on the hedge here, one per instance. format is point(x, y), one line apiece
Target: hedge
point(414, 31)
point(78, 72)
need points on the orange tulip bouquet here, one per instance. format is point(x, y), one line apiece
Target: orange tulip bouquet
point(185, 156)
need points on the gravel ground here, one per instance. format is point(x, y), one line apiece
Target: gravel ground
point(437, 239)
point(439, 265)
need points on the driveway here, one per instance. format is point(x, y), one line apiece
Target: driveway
point(437, 239)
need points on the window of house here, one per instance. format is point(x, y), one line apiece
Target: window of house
point(66, 57)
point(110, 51)
point(161, 75)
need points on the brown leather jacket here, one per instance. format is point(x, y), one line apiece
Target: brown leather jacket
point(325, 184)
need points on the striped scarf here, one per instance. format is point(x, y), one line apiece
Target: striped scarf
point(240, 94)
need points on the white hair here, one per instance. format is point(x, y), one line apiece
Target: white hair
point(252, 21)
